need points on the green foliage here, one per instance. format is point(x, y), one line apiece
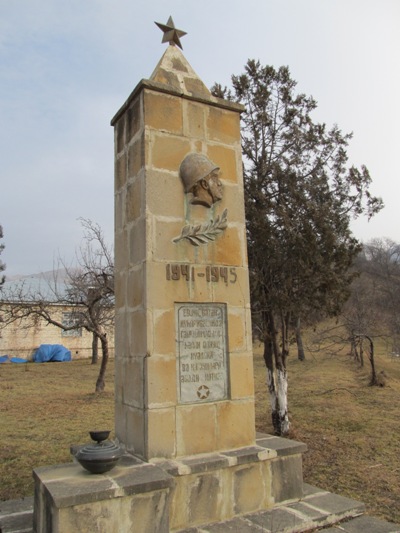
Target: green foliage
point(300, 198)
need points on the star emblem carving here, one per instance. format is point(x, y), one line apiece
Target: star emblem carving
point(203, 392)
point(171, 34)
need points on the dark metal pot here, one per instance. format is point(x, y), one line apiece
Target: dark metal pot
point(100, 457)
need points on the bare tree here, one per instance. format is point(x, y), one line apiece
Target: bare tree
point(2, 268)
point(373, 308)
point(86, 287)
point(360, 314)
point(2, 265)
point(360, 321)
point(381, 262)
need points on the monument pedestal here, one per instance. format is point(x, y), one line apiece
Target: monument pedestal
point(169, 495)
point(215, 487)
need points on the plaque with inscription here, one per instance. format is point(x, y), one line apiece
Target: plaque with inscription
point(202, 362)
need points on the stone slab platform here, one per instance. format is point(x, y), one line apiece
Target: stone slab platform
point(314, 512)
point(364, 524)
point(317, 511)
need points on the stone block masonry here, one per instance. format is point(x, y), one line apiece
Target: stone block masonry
point(184, 384)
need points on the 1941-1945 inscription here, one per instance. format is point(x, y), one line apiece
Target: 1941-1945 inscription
point(202, 365)
point(188, 272)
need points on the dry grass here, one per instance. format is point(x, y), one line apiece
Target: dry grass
point(44, 408)
point(352, 430)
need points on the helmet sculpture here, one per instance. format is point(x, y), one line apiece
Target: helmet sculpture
point(194, 168)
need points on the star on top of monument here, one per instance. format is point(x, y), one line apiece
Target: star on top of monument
point(171, 34)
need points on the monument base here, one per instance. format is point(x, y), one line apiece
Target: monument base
point(169, 495)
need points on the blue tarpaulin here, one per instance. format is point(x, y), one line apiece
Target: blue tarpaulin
point(7, 359)
point(18, 360)
point(51, 352)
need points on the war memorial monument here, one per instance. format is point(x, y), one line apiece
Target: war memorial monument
point(184, 396)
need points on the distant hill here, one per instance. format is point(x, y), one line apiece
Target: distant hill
point(60, 273)
point(40, 283)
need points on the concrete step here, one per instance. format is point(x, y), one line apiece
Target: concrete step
point(16, 516)
point(363, 524)
point(317, 511)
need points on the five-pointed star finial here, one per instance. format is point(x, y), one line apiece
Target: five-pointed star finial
point(171, 34)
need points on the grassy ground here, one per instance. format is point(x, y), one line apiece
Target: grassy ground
point(44, 408)
point(352, 430)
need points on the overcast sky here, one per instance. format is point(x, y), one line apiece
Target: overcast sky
point(66, 67)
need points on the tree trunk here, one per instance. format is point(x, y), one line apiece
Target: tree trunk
point(355, 349)
point(361, 353)
point(352, 348)
point(285, 321)
point(299, 341)
point(282, 401)
point(374, 378)
point(282, 381)
point(100, 383)
point(276, 378)
point(95, 349)
point(273, 397)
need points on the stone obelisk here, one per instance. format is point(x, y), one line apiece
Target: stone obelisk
point(184, 375)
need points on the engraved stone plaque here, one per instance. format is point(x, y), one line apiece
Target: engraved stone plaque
point(202, 362)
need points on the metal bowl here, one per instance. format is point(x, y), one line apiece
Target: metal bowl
point(99, 435)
